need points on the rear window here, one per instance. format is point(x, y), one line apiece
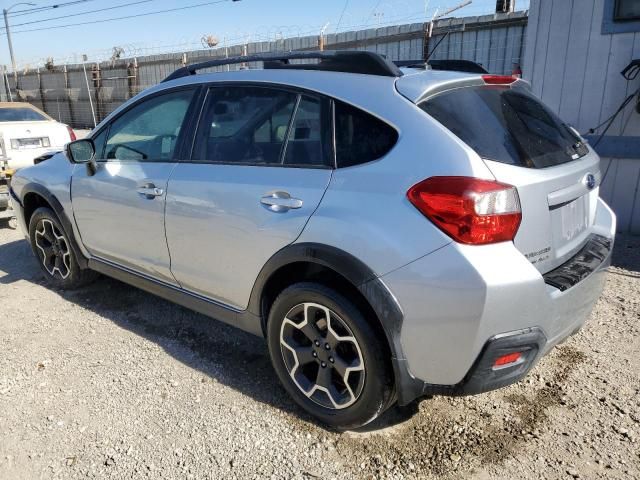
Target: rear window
point(20, 115)
point(507, 125)
point(360, 137)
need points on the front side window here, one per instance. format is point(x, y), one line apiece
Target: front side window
point(99, 142)
point(150, 130)
point(262, 126)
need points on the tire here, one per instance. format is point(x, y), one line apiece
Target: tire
point(51, 246)
point(348, 357)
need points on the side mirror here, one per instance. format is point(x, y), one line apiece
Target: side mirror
point(81, 151)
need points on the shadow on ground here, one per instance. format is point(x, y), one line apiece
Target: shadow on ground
point(231, 356)
point(627, 253)
point(427, 442)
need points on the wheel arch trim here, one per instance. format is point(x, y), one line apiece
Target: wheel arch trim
point(373, 289)
point(58, 209)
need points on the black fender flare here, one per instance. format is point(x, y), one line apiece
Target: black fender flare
point(372, 288)
point(58, 209)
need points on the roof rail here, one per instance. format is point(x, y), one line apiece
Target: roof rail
point(346, 61)
point(451, 65)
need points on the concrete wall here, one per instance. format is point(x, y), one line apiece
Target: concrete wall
point(575, 68)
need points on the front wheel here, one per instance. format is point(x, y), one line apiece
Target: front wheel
point(328, 357)
point(53, 250)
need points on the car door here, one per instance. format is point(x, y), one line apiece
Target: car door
point(261, 163)
point(119, 208)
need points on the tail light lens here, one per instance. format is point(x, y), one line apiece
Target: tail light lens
point(469, 210)
point(72, 134)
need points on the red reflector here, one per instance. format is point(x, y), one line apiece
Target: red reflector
point(72, 134)
point(499, 79)
point(469, 210)
point(507, 359)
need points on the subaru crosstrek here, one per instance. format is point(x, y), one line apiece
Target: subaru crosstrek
point(393, 233)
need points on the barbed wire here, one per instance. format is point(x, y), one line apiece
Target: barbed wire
point(266, 33)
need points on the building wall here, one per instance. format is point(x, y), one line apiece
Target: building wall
point(575, 68)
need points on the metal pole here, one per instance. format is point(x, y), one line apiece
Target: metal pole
point(6, 80)
point(13, 60)
point(86, 79)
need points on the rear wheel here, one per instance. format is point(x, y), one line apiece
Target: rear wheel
point(328, 357)
point(51, 246)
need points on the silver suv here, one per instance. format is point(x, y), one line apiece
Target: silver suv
point(393, 233)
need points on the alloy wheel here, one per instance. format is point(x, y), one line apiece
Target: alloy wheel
point(53, 249)
point(322, 356)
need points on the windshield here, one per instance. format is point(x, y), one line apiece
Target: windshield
point(507, 125)
point(20, 115)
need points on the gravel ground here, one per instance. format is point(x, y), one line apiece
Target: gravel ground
point(111, 382)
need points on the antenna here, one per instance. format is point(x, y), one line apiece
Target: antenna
point(436, 47)
point(429, 33)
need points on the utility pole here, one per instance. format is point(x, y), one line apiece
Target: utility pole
point(5, 12)
point(86, 79)
point(6, 25)
point(321, 37)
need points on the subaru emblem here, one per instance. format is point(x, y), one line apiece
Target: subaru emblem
point(590, 181)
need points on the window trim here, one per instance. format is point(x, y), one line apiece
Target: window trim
point(613, 25)
point(299, 92)
point(185, 131)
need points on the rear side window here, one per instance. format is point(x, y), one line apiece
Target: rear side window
point(360, 137)
point(264, 126)
point(507, 125)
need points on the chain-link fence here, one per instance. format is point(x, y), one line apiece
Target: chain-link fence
point(82, 94)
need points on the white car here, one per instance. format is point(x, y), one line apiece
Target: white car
point(27, 133)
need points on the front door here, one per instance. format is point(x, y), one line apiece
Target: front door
point(261, 164)
point(119, 209)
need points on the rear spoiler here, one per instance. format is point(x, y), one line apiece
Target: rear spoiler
point(451, 65)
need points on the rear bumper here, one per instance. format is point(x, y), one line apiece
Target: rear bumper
point(462, 303)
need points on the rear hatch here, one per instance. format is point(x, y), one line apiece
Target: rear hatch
point(526, 145)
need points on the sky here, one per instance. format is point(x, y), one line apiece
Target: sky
point(233, 22)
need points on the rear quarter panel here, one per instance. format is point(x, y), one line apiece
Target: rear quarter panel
point(365, 211)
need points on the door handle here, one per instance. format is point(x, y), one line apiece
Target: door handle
point(280, 201)
point(150, 191)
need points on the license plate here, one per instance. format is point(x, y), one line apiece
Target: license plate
point(573, 219)
point(29, 142)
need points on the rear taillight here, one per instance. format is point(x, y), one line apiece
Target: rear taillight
point(72, 134)
point(469, 210)
point(499, 79)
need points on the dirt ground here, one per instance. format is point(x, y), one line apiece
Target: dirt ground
point(111, 382)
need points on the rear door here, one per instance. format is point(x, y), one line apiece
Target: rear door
point(261, 163)
point(119, 208)
point(525, 145)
